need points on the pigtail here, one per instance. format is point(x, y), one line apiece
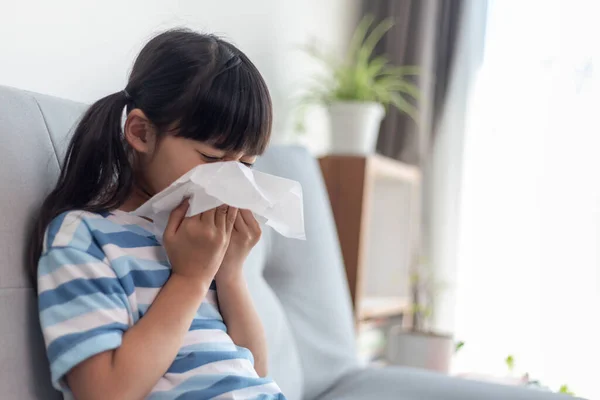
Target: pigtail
point(96, 174)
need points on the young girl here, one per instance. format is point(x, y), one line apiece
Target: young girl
point(123, 316)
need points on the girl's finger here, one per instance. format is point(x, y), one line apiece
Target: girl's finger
point(249, 220)
point(208, 216)
point(239, 224)
point(232, 216)
point(176, 218)
point(221, 217)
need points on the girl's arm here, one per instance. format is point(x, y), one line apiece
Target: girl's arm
point(243, 324)
point(235, 303)
point(147, 350)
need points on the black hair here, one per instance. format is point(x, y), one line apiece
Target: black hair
point(188, 84)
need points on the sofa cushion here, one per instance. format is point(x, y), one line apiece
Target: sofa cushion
point(29, 168)
point(308, 277)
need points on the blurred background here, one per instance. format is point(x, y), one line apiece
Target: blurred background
point(468, 215)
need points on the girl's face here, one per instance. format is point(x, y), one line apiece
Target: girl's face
point(174, 156)
point(162, 161)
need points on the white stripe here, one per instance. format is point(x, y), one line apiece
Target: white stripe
point(211, 298)
point(146, 295)
point(84, 322)
point(67, 229)
point(206, 336)
point(69, 272)
point(237, 367)
point(88, 215)
point(69, 226)
point(152, 253)
point(133, 303)
point(125, 218)
point(250, 392)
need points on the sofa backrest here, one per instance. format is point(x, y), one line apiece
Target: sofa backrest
point(299, 286)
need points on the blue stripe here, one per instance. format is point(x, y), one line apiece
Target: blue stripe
point(105, 225)
point(150, 279)
point(199, 324)
point(143, 309)
point(54, 227)
point(246, 353)
point(140, 231)
point(57, 257)
point(79, 287)
point(96, 251)
point(83, 305)
point(198, 347)
point(109, 226)
point(124, 239)
point(278, 396)
point(123, 265)
point(205, 312)
point(225, 385)
point(208, 311)
point(195, 360)
point(195, 382)
point(65, 342)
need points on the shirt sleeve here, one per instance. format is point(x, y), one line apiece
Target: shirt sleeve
point(83, 307)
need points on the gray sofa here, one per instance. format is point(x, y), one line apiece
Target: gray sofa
point(299, 286)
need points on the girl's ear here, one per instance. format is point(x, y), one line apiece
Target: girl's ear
point(139, 132)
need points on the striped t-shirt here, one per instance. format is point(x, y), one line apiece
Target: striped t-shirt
point(98, 275)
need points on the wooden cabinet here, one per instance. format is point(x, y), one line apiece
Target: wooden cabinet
point(352, 183)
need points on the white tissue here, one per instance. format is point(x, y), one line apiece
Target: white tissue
point(273, 200)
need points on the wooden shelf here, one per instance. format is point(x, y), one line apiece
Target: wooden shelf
point(382, 307)
point(384, 167)
point(376, 166)
point(350, 181)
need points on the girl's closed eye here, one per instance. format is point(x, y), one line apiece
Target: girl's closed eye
point(210, 159)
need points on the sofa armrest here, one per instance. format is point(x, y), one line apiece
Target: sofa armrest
point(395, 383)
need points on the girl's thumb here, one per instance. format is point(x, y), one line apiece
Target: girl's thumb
point(176, 218)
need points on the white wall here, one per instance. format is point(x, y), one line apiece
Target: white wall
point(83, 50)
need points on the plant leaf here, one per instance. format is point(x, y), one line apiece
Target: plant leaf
point(359, 37)
point(374, 37)
point(565, 389)
point(406, 87)
point(403, 105)
point(510, 363)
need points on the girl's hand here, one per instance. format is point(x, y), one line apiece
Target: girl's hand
point(246, 233)
point(196, 245)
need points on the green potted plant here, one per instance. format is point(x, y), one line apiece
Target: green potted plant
point(357, 90)
point(420, 346)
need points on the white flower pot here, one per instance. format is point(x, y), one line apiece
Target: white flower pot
point(420, 350)
point(355, 126)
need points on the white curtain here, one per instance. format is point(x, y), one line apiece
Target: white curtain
point(528, 252)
